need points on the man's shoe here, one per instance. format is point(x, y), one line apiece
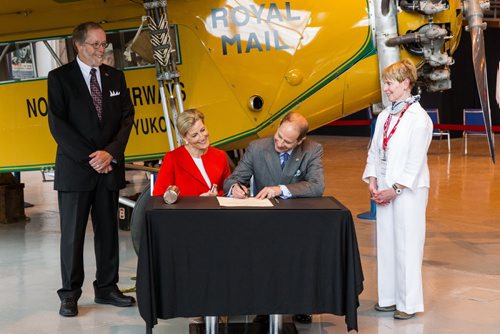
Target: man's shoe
point(379, 308)
point(69, 307)
point(115, 298)
point(400, 315)
point(303, 318)
point(261, 319)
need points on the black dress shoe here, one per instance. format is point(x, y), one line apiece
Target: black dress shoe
point(303, 318)
point(69, 307)
point(115, 298)
point(261, 319)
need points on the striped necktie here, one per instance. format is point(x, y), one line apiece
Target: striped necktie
point(95, 92)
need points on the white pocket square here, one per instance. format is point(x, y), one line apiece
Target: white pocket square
point(113, 93)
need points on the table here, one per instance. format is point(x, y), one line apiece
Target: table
point(197, 258)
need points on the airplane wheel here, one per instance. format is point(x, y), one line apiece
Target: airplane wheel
point(139, 217)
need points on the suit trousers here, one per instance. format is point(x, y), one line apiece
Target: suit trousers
point(74, 208)
point(400, 249)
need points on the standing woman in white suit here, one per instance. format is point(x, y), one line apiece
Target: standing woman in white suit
point(398, 177)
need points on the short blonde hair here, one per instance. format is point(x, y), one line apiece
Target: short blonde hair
point(186, 120)
point(401, 70)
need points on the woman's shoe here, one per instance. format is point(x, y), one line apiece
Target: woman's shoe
point(379, 308)
point(400, 315)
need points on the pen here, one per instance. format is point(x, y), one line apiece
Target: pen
point(277, 202)
point(241, 187)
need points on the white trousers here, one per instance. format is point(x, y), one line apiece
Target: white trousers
point(400, 249)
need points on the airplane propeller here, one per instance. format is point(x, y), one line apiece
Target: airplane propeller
point(474, 15)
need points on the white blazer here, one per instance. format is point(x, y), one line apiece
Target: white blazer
point(407, 150)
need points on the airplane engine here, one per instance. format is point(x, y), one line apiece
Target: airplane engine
point(428, 42)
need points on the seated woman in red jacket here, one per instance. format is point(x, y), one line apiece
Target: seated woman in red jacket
point(196, 168)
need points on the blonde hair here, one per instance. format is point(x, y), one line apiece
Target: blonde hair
point(186, 120)
point(401, 70)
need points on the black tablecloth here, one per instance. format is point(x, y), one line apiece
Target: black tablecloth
point(299, 257)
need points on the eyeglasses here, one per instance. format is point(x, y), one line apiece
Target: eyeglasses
point(97, 45)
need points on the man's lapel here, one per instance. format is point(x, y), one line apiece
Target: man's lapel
point(272, 159)
point(293, 164)
point(82, 86)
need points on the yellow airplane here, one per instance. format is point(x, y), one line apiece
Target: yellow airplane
point(243, 63)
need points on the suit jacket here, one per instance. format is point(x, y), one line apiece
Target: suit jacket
point(407, 150)
point(302, 174)
point(178, 168)
point(78, 132)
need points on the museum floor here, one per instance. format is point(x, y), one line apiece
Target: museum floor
point(461, 268)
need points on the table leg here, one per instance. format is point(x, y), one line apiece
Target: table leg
point(212, 325)
point(275, 323)
point(149, 330)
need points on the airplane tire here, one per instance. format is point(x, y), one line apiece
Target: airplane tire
point(138, 217)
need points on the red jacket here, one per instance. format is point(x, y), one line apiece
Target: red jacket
point(178, 168)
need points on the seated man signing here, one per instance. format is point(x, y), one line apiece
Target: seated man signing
point(286, 165)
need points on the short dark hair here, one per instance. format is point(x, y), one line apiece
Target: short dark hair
point(81, 30)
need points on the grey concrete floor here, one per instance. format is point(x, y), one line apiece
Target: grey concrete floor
point(461, 264)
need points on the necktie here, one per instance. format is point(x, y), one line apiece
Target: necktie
point(284, 159)
point(95, 92)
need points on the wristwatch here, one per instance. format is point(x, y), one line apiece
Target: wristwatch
point(397, 189)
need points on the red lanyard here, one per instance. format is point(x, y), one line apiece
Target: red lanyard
point(386, 127)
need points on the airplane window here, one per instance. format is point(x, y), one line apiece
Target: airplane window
point(28, 60)
point(140, 54)
point(31, 60)
point(116, 55)
point(17, 62)
point(50, 54)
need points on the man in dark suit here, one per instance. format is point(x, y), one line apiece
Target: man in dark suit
point(286, 165)
point(90, 117)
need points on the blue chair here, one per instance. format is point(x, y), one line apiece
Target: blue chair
point(473, 117)
point(434, 115)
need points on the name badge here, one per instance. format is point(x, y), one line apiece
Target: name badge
point(383, 162)
point(383, 155)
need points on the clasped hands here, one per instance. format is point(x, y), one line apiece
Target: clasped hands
point(382, 197)
point(101, 162)
point(240, 191)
